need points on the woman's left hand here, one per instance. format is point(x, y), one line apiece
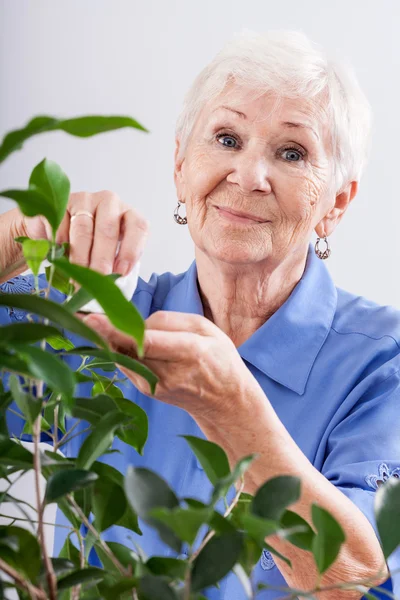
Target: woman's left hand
point(198, 366)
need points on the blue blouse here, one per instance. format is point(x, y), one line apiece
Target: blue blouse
point(329, 363)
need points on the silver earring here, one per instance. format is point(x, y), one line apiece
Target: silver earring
point(177, 217)
point(322, 254)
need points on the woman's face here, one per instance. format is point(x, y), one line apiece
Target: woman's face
point(274, 166)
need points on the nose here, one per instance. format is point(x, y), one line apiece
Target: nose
point(251, 173)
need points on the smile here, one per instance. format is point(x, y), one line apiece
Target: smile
point(238, 217)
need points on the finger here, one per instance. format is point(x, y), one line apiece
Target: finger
point(168, 346)
point(178, 321)
point(81, 236)
point(106, 235)
point(134, 233)
point(63, 231)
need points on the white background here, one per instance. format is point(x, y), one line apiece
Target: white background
point(75, 57)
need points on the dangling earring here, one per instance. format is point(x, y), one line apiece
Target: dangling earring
point(326, 253)
point(178, 219)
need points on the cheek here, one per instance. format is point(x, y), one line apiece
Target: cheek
point(304, 191)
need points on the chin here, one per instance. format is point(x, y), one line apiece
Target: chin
point(235, 253)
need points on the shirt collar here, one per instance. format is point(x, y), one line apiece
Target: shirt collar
point(286, 345)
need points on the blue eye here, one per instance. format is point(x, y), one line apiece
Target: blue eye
point(293, 155)
point(231, 141)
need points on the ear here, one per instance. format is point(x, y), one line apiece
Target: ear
point(331, 220)
point(178, 175)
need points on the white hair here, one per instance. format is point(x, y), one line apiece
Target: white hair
point(290, 65)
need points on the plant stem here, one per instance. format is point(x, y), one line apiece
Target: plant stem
point(48, 565)
point(211, 533)
point(32, 590)
point(96, 534)
point(35, 522)
point(77, 589)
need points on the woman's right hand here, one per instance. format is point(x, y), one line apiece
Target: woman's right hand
point(93, 242)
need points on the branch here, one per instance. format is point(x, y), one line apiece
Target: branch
point(88, 524)
point(33, 591)
point(48, 565)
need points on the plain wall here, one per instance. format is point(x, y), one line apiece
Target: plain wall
point(77, 57)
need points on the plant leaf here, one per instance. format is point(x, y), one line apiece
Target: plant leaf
point(66, 481)
point(328, 539)
point(117, 358)
point(26, 332)
point(35, 252)
point(301, 539)
point(90, 575)
point(146, 490)
point(47, 367)
point(79, 126)
point(224, 484)
point(184, 522)
point(212, 457)
point(274, 496)
point(99, 440)
point(52, 311)
point(27, 559)
point(122, 313)
point(387, 514)
point(216, 559)
point(13, 454)
point(108, 504)
point(28, 405)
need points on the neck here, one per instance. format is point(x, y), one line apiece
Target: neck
point(241, 298)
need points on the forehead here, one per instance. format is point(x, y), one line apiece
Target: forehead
point(252, 107)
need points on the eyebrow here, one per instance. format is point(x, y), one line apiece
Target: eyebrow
point(287, 123)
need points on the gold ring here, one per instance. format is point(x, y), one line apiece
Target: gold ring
point(82, 212)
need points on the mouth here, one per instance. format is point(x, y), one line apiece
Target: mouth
point(238, 217)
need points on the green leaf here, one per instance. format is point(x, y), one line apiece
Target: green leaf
point(27, 332)
point(52, 311)
point(259, 528)
point(14, 455)
point(67, 481)
point(242, 507)
point(184, 522)
point(212, 457)
point(82, 296)
point(387, 514)
point(32, 202)
point(146, 490)
point(328, 539)
point(70, 552)
point(112, 476)
point(121, 359)
point(28, 405)
point(35, 252)
point(51, 180)
point(274, 496)
point(216, 559)
point(90, 575)
point(135, 431)
point(99, 440)
point(27, 559)
point(93, 409)
point(126, 556)
point(48, 368)
point(60, 281)
point(108, 504)
point(217, 522)
point(154, 588)
point(174, 568)
point(79, 126)
point(122, 313)
point(224, 484)
point(302, 539)
point(59, 342)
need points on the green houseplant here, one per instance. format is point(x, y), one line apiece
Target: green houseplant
point(41, 389)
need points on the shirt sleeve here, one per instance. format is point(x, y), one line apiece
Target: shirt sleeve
point(22, 284)
point(364, 448)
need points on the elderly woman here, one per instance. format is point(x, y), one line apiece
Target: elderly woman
point(255, 347)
